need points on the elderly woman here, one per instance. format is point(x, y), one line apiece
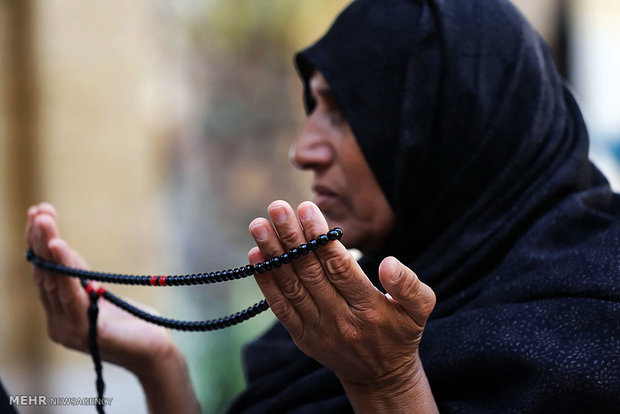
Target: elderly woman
point(442, 140)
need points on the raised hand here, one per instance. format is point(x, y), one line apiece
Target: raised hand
point(331, 309)
point(144, 349)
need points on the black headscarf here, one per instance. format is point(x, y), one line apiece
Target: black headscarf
point(482, 153)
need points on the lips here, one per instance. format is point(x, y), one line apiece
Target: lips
point(326, 199)
point(323, 190)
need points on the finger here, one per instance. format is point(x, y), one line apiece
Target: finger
point(45, 229)
point(39, 229)
point(404, 286)
point(307, 268)
point(266, 281)
point(47, 208)
point(38, 276)
point(70, 293)
point(32, 212)
point(341, 268)
point(51, 305)
point(279, 304)
point(290, 285)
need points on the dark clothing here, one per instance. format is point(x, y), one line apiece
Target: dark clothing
point(481, 151)
point(5, 403)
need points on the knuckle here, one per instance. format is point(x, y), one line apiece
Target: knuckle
point(348, 332)
point(410, 285)
point(282, 309)
point(289, 239)
point(294, 291)
point(370, 315)
point(313, 273)
point(338, 266)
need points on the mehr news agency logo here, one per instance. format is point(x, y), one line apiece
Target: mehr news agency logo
point(44, 400)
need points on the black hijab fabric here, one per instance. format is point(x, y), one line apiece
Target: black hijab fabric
point(482, 153)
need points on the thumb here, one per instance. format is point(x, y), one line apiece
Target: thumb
point(403, 285)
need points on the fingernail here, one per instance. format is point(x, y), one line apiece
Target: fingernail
point(279, 215)
point(306, 213)
point(259, 232)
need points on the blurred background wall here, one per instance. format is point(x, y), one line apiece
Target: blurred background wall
point(159, 129)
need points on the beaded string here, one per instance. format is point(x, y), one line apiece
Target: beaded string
point(93, 313)
point(174, 280)
point(188, 279)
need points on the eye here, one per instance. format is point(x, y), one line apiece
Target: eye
point(333, 108)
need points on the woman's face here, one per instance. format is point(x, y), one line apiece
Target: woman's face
point(345, 188)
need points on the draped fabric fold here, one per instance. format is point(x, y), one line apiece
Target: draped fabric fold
point(482, 153)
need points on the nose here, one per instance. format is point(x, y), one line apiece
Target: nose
point(311, 151)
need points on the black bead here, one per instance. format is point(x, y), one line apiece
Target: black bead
point(285, 258)
point(313, 244)
point(267, 265)
point(303, 248)
point(275, 261)
point(217, 276)
point(339, 232)
point(249, 270)
point(332, 235)
point(259, 268)
point(294, 253)
point(230, 274)
point(194, 279)
point(322, 240)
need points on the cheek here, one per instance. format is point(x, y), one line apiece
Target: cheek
point(371, 214)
